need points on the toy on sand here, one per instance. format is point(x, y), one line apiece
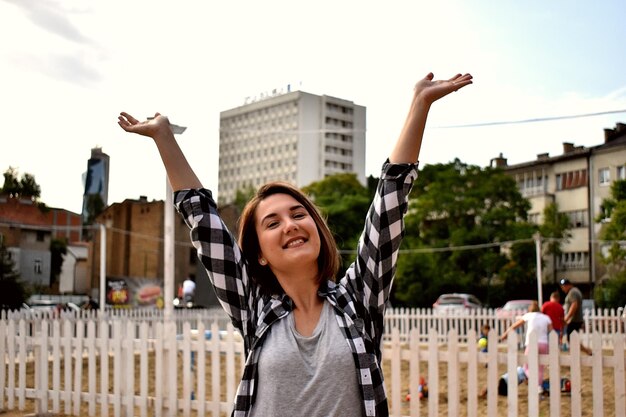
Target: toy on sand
point(422, 390)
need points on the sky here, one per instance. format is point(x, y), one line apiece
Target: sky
point(68, 67)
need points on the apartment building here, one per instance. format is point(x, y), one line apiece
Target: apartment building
point(578, 181)
point(296, 137)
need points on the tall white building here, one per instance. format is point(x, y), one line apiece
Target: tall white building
point(296, 137)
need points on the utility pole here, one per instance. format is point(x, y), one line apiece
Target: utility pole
point(537, 238)
point(169, 243)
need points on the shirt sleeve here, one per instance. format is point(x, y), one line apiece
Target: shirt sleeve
point(370, 277)
point(219, 253)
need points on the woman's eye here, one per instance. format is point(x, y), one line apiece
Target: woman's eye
point(271, 225)
point(298, 215)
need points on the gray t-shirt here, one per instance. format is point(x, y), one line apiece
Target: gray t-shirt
point(574, 294)
point(311, 376)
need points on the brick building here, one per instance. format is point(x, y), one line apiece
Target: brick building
point(134, 244)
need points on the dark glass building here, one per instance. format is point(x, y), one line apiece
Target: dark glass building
point(96, 181)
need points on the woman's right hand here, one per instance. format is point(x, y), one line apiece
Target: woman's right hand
point(153, 127)
point(179, 172)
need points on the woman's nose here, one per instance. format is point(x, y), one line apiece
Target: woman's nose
point(290, 225)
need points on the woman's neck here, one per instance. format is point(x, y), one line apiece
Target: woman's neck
point(301, 287)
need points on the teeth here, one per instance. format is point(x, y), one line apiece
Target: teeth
point(295, 242)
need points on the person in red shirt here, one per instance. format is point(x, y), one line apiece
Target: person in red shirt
point(554, 310)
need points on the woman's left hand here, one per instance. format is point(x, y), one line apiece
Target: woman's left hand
point(429, 91)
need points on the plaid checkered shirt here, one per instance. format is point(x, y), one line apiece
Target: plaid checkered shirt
point(358, 299)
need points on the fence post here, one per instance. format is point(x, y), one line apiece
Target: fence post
point(453, 369)
point(172, 367)
point(4, 339)
point(554, 369)
point(618, 374)
point(41, 367)
point(433, 372)
point(414, 372)
point(396, 366)
point(533, 374)
point(160, 370)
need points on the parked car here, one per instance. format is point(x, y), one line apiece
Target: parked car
point(49, 305)
point(513, 308)
point(456, 301)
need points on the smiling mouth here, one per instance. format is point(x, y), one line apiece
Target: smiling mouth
point(293, 243)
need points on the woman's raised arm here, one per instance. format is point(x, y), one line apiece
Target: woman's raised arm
point(178, 170)
point(426, 92)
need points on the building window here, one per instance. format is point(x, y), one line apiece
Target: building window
point(604, 176)
point(38, 266)
point(621, 172)
point(572, 179)
point(559, 182)
point(577, 218)
point(573, 260)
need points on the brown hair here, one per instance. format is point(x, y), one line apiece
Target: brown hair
point(328, 261)
point(534, 307)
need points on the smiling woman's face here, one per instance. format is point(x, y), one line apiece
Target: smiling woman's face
point(287, 233)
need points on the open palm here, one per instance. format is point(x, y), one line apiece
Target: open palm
point(149, 127)
point(430, 91)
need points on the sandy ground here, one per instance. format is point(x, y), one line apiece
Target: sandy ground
point(609, 399)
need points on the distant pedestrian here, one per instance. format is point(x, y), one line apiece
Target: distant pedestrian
point(554, 310)
point(91, 304)
point(573, 311)
point(189, 288)
point(538, 323)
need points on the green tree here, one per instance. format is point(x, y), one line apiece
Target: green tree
point(556, 228)
point(25, 187)
point(459, 205)
point(243, 195)
point(12, 291)
point(94, 207)
point(613, 287)
point(516, 276)
point(29, 186)
point(11, 182)
point(344, 201)
point(58, 248)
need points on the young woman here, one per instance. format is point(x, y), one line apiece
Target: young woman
point(312, 345)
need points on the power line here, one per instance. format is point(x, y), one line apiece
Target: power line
point(535, 120)
point(95, 227)
point(480, 124)
point(455, 248)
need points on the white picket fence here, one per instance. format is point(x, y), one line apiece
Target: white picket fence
point(605, 322)
point(135, 364)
